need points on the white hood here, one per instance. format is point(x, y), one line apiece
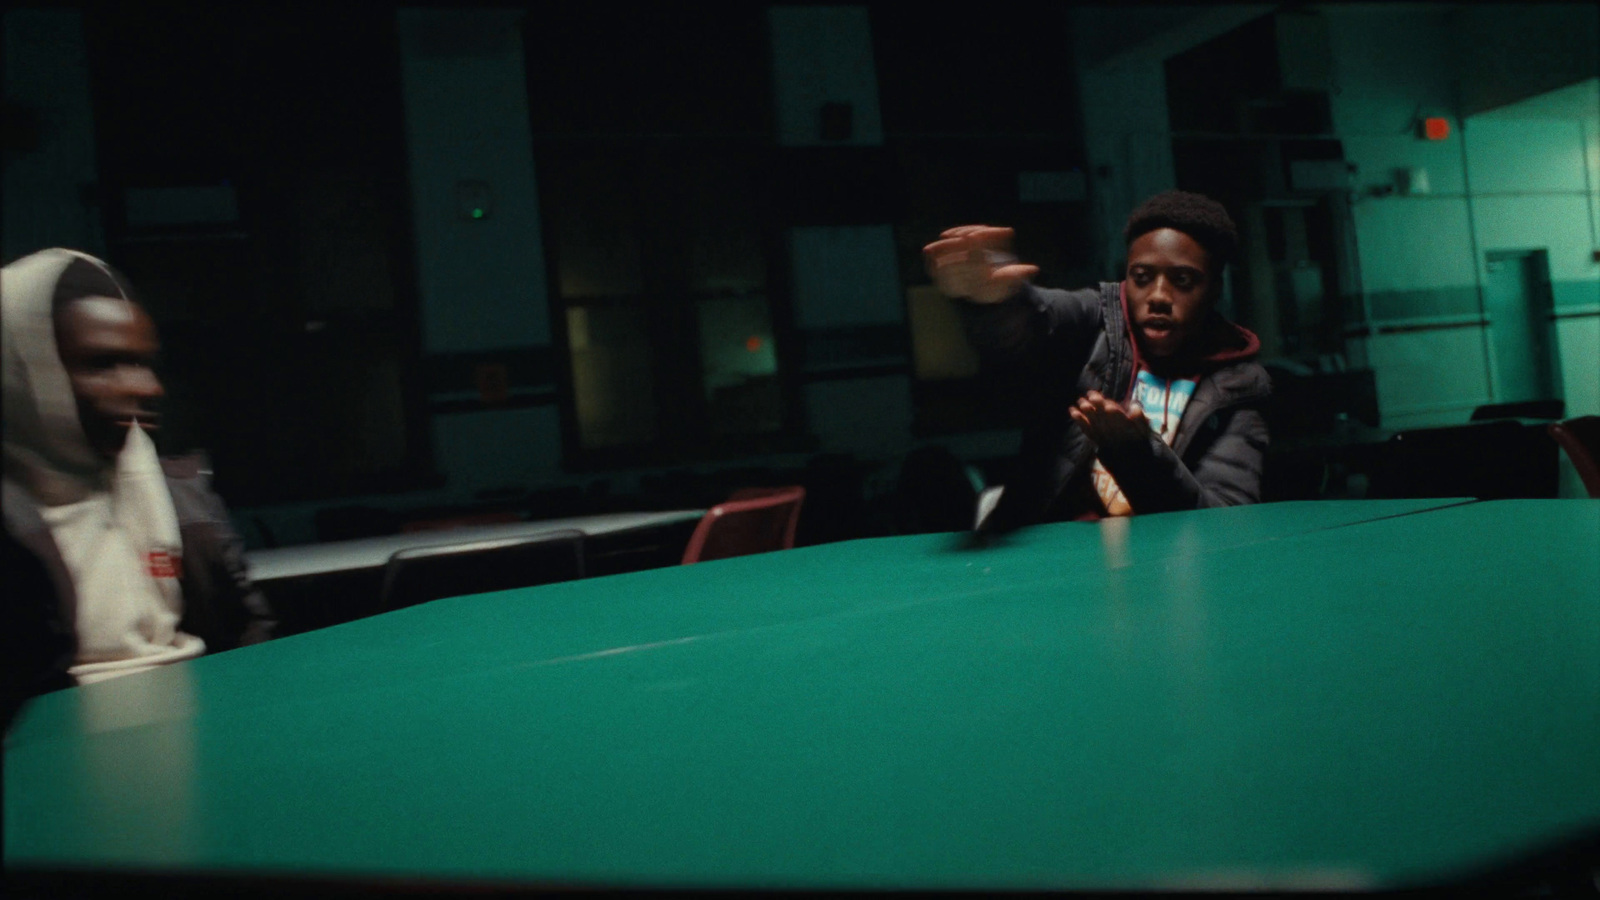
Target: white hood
point(45, 446)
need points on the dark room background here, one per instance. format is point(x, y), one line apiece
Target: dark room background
point(567, 256)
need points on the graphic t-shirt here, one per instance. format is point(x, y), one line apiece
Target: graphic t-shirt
point(1163, 401)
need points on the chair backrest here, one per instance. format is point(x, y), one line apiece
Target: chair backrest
point(748, 525)
point(420, 574)
point(1495, 460)
point(933, 493)
point(1525, 409)
point(1580, 438)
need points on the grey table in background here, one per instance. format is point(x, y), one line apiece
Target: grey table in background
point(318, 585)
point(371, 553)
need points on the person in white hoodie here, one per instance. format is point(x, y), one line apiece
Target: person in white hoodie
point(144, 566)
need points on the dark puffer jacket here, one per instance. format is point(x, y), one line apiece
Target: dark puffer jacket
point(1072, 342)
point(220, 605)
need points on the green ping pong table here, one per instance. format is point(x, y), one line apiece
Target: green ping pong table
point(1337, 694)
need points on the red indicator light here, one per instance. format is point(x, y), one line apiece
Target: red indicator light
point(1435, 128)
point(752, 343)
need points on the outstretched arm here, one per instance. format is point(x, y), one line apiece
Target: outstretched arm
point(1009, 320)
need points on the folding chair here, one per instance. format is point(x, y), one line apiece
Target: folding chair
point(744, 526)
point(1580, 438)
point(420, 574)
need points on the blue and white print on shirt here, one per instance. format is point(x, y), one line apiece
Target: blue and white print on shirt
point(1163, 402)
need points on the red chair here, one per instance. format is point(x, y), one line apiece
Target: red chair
point(1580, 437)
point(756, 521)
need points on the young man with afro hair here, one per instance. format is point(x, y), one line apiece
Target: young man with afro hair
point(1145, 398)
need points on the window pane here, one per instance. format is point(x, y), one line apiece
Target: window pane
point(739, 364)
point(720, 203)
point(613, 381)
point(597, 228)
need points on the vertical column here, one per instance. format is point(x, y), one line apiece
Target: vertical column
point(824, 78)
point(1129, 146)
point(849, 308)
point(50, 168)
point(481, 267)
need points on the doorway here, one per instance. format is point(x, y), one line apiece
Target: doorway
point(1517, 302)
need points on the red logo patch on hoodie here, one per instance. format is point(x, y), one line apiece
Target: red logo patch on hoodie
point(165, 565)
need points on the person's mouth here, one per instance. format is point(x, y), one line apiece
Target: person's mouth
point(1158, 328)
point(147, 421)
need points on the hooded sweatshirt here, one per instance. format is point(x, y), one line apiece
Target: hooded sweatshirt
point(1164, 395)
point(1067, 343)
point(114, 523)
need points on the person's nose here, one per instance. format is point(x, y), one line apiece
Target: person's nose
point(1160, 296)
point(141, 383)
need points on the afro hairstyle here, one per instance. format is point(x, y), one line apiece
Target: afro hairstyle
point(1196, 215)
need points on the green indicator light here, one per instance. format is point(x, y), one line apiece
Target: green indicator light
point(477, 213)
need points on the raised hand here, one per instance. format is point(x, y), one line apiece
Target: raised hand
point(974, 262)
point(1107, 423)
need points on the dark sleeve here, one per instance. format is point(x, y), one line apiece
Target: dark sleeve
point(1227, 472)
point(246, 611)
point(36, 647)
point(1037, 328)
point(220, 604)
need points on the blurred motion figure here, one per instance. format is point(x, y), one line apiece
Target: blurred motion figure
point(140, 564)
